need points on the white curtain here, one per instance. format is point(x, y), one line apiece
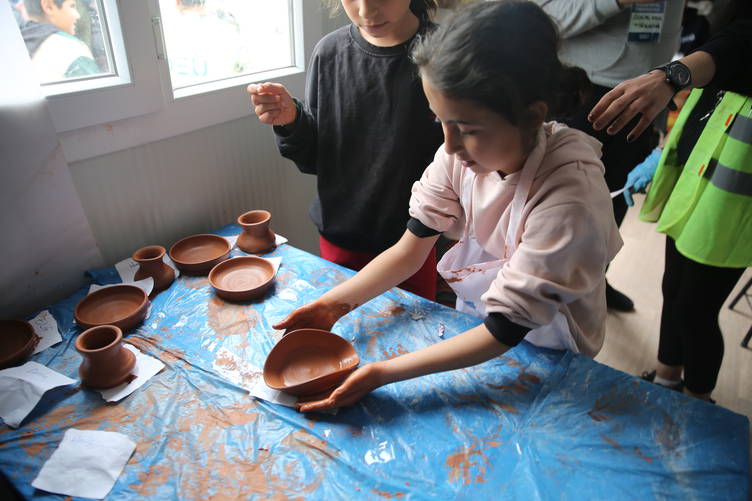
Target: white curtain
point(46, 242)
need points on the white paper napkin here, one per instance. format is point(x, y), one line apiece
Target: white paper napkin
point(45, 327)
point(22, 387)
point(146, 367)
point(276, 261)
point(278, 240)
point(248, 377)
point(87, 463)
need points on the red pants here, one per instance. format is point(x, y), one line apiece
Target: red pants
point(422, 283)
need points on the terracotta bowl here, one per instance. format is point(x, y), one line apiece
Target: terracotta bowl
point(309, 361)
point(124, 306)
point(242, 278)
point(198, 254)
point(17, 342)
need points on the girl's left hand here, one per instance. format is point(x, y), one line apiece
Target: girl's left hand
point(357, 385)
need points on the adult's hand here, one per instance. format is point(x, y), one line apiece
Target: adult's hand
point(272, 103)
point(647, 94)
point(356, 386)
point(316, 315)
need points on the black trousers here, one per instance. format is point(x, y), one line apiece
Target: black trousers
point(619, 156)
point(693, 295)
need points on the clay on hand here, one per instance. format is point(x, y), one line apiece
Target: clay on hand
point(316, 315)
point(357, 385)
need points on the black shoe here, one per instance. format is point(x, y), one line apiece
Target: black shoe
point(650, 376)
point(615, 300)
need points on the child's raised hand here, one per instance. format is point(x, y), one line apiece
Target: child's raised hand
point(316, 315)
point(272, 103)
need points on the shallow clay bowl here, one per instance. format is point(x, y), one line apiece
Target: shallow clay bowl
point(198, 254)
point(17, 342)
point(124, 306)
point(309, 361)
point(242, 278)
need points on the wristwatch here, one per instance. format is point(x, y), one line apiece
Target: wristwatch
point(678, 76)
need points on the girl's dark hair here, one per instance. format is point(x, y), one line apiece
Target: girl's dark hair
point(423, 9)
point(502, 55)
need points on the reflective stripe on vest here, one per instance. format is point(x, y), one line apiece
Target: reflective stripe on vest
point(706, 204)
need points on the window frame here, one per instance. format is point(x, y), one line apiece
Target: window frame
point(101, 121)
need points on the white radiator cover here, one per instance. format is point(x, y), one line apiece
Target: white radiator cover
point(197, 182)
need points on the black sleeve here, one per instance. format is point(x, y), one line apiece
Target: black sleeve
point(298, 142)
point(504, 330)
point(728, 48)
point(419, 229)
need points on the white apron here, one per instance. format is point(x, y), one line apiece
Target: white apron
point(469, 269)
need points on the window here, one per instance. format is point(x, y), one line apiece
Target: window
point(235, 40)
point(135, 58)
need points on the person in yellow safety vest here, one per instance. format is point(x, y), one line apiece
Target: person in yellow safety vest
point(700, 196)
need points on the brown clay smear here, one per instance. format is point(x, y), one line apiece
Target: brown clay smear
point(388, 495)
point(395, 352)
point(152, 345)
point(635, 450)
point(193, 282)
point(669, 434)
point(512, 362)
point(228, 319)
point(616, 402)
point(460, 463)
point(373, 341)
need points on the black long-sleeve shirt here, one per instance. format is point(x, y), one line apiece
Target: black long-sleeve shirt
point(730, 49)
point(367, 133)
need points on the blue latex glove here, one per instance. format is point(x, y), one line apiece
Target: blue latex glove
point(641, 176)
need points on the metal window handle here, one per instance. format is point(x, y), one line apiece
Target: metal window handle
point(156, 26)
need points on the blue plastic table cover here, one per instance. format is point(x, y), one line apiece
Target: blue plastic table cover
point(531, 424)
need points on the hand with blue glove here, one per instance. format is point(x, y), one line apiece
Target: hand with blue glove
point(641, 176)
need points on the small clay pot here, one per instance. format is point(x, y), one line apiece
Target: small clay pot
point(151, 265)
point(17, 342)
point(107, 363)
point(257, 237)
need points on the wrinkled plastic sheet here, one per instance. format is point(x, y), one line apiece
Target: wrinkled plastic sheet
point(532, 424)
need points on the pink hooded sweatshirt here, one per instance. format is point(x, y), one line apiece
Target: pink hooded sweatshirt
point(566, 239)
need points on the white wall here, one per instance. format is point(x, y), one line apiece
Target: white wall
point(46, 240)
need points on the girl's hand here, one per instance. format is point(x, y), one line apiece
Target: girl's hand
point(272, 103)
point(647, 95)
point(316, 315)
point(357, 385)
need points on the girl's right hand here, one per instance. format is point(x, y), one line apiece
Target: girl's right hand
point(316, 315)
point(272, 103)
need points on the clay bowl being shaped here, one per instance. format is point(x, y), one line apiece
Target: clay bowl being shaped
point(198, 254)
point(124, 306)
point(309, 361)
point(17, 342)
point(242, 278)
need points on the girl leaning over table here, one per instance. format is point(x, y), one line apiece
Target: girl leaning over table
point(526, 198)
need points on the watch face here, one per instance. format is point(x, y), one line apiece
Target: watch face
point(680, 75)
